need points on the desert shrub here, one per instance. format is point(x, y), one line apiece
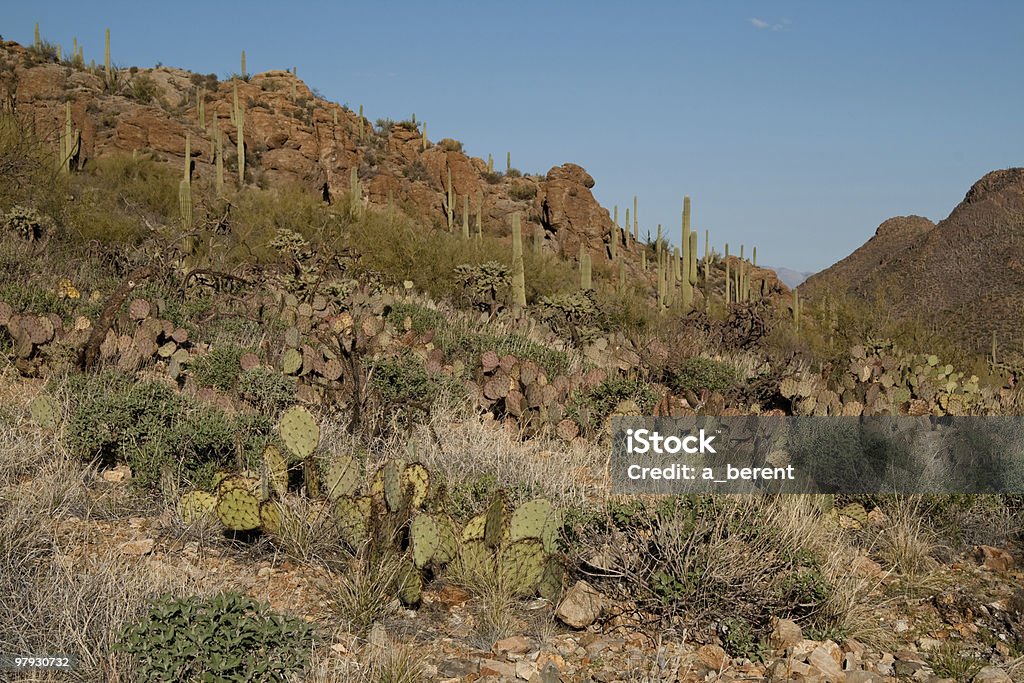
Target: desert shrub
point(416, 170)
point(219, 368)
point(590, 407)
point(259, 216)
point(28, 175)
point(450, 145)
point(514, 173)
point(142, 89)
point(485, 285)
point(266, 390)
point(151, 427)
point(698, 374)
point(523, 191)
point(736, 560)
point(572, 316)
point(403, 380)
point(146, 187)
point(227, 637)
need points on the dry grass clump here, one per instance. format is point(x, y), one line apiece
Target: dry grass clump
point(364, 590)
point(389, 661)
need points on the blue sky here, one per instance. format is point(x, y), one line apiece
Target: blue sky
point(795, 126)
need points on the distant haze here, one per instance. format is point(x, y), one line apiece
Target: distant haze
point(794, 126)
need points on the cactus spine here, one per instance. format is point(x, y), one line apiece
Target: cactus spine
point(518, 272)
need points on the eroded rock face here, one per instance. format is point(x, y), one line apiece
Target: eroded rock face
point(566, 208)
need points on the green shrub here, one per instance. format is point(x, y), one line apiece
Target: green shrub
point(229, 637)
point(220, 368)
point(698, 374)
point(590, 407)
point(266, 390)
point(403, 380)
point(142, 89)
point(523, 191)
point(151, 427)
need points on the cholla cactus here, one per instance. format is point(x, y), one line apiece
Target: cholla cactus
point(26, 223)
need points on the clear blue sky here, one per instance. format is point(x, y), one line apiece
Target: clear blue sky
point(795, 126)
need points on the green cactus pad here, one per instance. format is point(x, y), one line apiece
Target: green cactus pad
point(342, 477)
point(474, 529)
point(232, 482)
point(425, 539)
point(529, 519)
point(238, 509)
point(410, 584)
point(494, 526)
point(197, 504)
point(218, 477)
point(43, 410)
point(270, 516)
point(352, 515)
point(448, 542)
point(521, 564)
point(291, 361)
point(275, 470)
point(552, 582)
point(299, 431)
point(854, 512)
point(393, 494)
point(475, 562)
point(416, 480)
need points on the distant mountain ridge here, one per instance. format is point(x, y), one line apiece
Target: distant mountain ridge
point(963, 275)
point(791, 278)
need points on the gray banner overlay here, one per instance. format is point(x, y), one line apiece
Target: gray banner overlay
point(856, 455)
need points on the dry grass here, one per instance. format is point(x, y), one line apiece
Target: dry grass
point(388, 662)
point(363, 592)
point(906, 545)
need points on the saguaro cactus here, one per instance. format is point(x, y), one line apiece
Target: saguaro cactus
point(218, 141)
point(185, 187)
point(238, 118)
point(465, 217)
point(243, 65)
point(479, 216)
point(586, 271)
point(518, 270)
point(108, 70)
point(69, 142)
point(424, 136)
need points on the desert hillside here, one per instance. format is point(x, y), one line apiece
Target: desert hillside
point(287, 394)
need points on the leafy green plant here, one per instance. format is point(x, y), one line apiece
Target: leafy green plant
point(590, 407)
point(227, 637)
point(266, 389)
point(699, 374)
point(219, 368)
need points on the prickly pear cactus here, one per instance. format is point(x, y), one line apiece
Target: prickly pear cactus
point(342, 477)
point(43, 410)
point(393, 494)
point(537, 519)
point(274, 472)
point(416, 481)
point(270, 516)
point(196, 505)
point(474, 529)
point(552, 582)
point(494, 525)
point(299, 431)
point(410, 584)
point(521, 565)
point(238, 509)
point(447, 541)
point(424, 539)
point(352, 515)
point(475, 562)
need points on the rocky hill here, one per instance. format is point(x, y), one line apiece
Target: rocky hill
point(963, 275)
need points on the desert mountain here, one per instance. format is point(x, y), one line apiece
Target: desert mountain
point(963, 275)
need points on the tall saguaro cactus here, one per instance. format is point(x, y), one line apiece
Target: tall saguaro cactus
point(185, 198)
point(689, 274)
point(465, 217)
point(108, 70)
point(218, 141)
point(238, 118)
point(69, 143)
point(518, 269)
point(480, 216)
point(243, 65)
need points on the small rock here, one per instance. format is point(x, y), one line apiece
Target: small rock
point(884, 665)
point(992, 674)
point(785, 633)
point(712, 657)
point(492, 667)
point(877, 518)
point(863, 677)
point(823, 659)
point(581, 606)
point(516, 645)
point(865, 566)
point(995, 558)
point(526, 670)
point(117, 474)
point(138, 548)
